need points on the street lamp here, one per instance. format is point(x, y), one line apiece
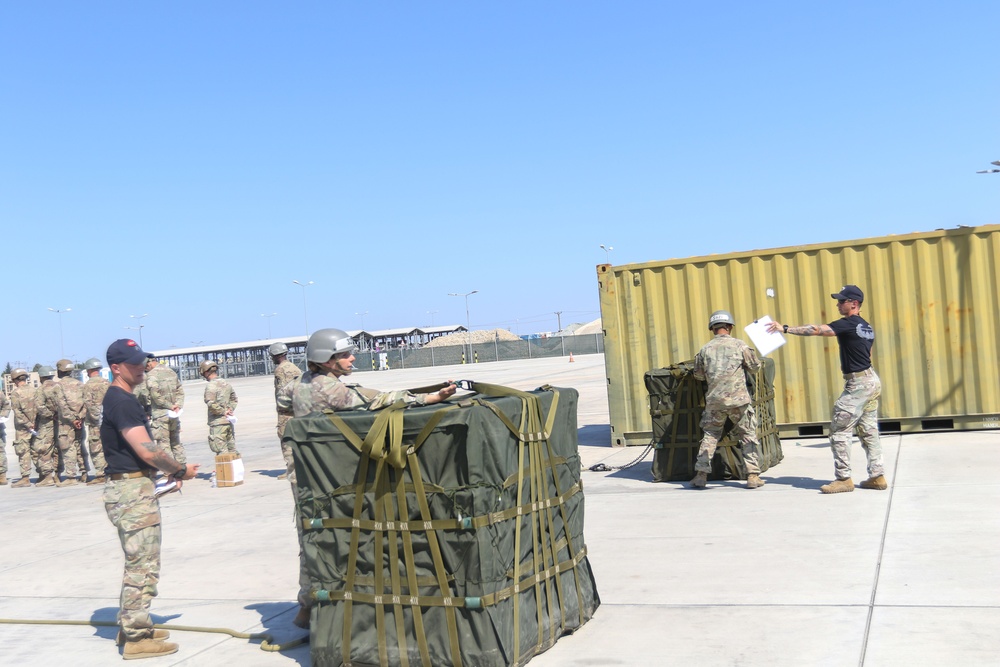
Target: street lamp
point(468, 325)
point(59, 312)
point(268, 322)
point(991, 171)
point(305, 308)
point(141, 325)
point(607, 252)
point(362, 316)
point(431, 313)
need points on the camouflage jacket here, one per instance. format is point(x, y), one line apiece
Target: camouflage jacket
point(164, 390)
point(722, 362)
point(47, 400)
point(284, 373)
point(220, 398)
point(93, 397)
point(71, 405)
point(4, 405)
point(315, 392)
point(23, 399)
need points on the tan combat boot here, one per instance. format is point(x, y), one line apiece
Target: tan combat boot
point(838, 486)
point(97, 480)
point(83, 478)
point(158, 635)
point(700, 480)
point(3, 480)
point(69, 481)
point(147, 648)
point(46, 480)
point(754, 482)
point(21, 483)
point(877, 483)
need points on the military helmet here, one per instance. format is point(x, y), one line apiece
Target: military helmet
point(325, 343)
point(64, 365)
point(46, 371)
point(17, 374)
point(277, 349)
point(719, 318)
point(92, 363)
point(206, 366)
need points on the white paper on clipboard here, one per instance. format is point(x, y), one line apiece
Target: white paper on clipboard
point(765, 342)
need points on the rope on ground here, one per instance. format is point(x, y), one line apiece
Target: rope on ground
point(604, 467)
point(266, 640)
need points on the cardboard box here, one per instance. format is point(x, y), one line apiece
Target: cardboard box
point(228, 470)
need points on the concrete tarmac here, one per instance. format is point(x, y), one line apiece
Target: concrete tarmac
point(780, 575)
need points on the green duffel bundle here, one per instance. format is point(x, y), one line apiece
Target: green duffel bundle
point(676, 402)
point(449, 534)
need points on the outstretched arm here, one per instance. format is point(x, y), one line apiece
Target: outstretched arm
point(802, 330)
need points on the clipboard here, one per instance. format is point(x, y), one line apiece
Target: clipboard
point(765, 342)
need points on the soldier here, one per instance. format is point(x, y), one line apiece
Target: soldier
point(70, 425)
point(285, 372)
point(22, 399)
point(857, 406)
point(43, 445)
point(93, 395)
point(221, 401)
point(4, 413)
point(330, 357)
point(724, 362)
point(166, 400)
point(130, 500)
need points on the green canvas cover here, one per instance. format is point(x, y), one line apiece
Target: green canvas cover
point(676, 402)
point(449, 534)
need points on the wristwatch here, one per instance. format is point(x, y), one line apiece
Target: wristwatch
point(786, 328)
point(180, 473)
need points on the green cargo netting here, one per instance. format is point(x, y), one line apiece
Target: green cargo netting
point(676, 402)
point(450, 534)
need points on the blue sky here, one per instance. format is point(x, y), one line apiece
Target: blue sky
point(189, 159)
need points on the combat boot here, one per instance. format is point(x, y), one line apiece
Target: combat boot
point(97, 480)
point(877, 483)
point(46, 480)
point(3, 480)
point(754, 482)
point(838, 486)
point(301, 619)
point(700, 480)
point(69, 481)
point(158, 635)
point(83, 478)
point(21, 483)
point(147, 648)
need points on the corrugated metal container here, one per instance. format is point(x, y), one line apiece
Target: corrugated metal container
point(931, 297)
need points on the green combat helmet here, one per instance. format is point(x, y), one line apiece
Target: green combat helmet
point(325, 343)
point(92, 363)
point(46, 371)
point(720, 318)
point(277, 349)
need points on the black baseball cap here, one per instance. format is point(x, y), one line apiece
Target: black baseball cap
point(851, 293)
point(126, 351)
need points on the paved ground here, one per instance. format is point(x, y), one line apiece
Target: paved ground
point(776, 576)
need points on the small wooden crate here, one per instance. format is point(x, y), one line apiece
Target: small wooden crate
point(228, 470)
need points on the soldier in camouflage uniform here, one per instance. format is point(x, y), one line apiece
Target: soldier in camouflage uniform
point(93, 396)
point(22, 399)
point(4, 413)
point(857, 407)
point(221, 401)
point(330, 356)
point(165, 395)
point(723, 363)
point(43, 445)
point(285, 372)
point(69, 427)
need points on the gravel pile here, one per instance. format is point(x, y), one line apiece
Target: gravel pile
point(477, 338)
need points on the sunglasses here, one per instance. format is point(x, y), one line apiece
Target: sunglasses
point(839, 301)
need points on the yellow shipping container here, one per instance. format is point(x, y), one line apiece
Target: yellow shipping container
point(932, 298)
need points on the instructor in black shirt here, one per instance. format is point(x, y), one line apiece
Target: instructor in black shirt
point(129, 497)
point(858, 404)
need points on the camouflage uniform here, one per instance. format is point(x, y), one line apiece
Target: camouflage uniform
point(220, 399)
point(285, 373)
point(164, 391)
point(723, 362)
point(25, 414)
point(857, 410)
point(71, 410)
point(4, 411)
point(93, 395)
point(43, 446)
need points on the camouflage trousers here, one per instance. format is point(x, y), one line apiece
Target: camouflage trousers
point(43, 448)
point(221, 438)
point(857, 411)
point(96, 448)
point(744, 420)
point(167, 434)
point(68, 437)
point(22, 448)
point(286, 449)
point(135, 512)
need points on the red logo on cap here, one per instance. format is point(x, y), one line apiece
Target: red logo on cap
point(130, 343)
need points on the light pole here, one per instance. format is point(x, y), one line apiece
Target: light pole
point(362, 316)
point(468, 325)
point(268, 322)
point(141, 325)
point(991, 171)
point(59, 312)
point(607, 252)
point(432, 313)
point(305, 308)
point(558, 315)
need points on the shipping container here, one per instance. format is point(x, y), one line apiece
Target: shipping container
point(931, 297)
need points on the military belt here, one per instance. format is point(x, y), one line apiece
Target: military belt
point(131, 475)
point(859, 374)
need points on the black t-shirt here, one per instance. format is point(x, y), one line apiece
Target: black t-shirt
point(122, 411)
point(856, 338)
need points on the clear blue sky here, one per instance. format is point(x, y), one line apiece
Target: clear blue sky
point(190, 159)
